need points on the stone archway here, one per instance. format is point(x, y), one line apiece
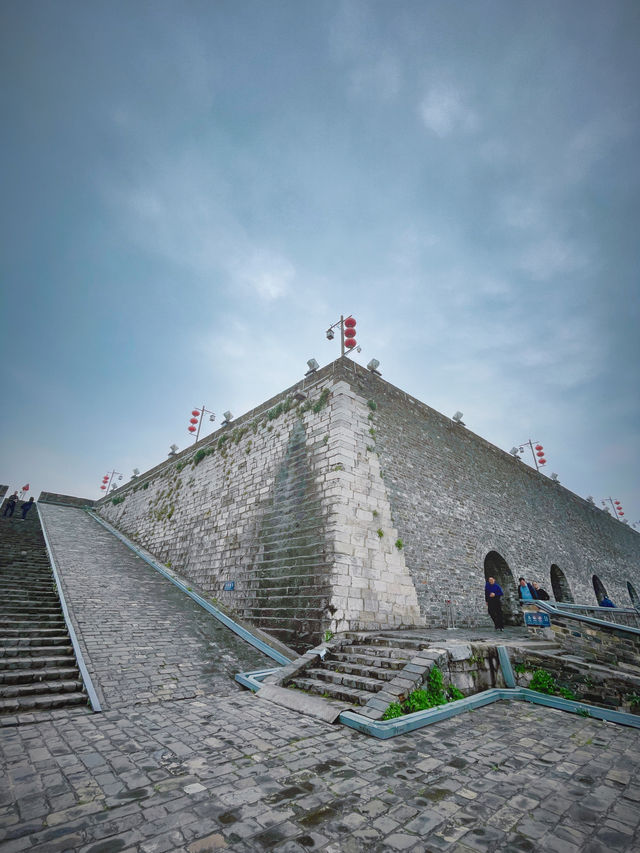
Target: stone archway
point(560, 585)
point(495, 566)
point(599, 588)
point(633, 595)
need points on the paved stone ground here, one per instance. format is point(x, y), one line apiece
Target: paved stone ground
point(226, 770)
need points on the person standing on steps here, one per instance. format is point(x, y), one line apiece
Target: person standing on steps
point(12, 500)
point(493, 596)
point(542, 594)
point(26, 507)
point(526, 591)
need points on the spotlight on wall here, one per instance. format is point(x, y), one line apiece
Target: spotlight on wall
point(136, 473)
point(228, 417)
point(515, 452)
point(554, 477)
point(312, 365)
point(590, 499)
point(373, 366)
point(172, 449)
point(458, 418)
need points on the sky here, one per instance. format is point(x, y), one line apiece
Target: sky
point(192, 192)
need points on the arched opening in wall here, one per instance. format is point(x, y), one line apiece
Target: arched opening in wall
point(633, 595)
point(599, 589)
point(560, 585)
point(497, 567)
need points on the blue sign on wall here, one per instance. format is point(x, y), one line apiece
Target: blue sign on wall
point(229, 585)
point(541, 620)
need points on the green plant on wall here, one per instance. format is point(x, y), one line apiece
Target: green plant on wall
point(372, 405)
point(399, 544)
point(117, 500)
point(380, 532)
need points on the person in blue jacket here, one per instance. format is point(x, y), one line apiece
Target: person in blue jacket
point(526, 591)
point(606, 602)
point(493, 596)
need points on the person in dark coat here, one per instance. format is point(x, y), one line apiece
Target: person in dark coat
point(493, 596)
point(542, 594)
point(12, 500)
point(26, 507)
point(606, 602)
point(526, 591)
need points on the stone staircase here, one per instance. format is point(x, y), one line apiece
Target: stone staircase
point(368, 671)
point(38, 669)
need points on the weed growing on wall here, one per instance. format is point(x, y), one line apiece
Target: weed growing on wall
point(117, 500)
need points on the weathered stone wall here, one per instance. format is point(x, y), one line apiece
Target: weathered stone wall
point(456, 499)
point(286, 504)
point(363, 508)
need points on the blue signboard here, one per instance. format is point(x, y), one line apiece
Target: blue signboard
point(229, 585)
point(540, 620)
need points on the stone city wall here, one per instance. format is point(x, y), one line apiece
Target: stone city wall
point(284, 504)
point(363, 508)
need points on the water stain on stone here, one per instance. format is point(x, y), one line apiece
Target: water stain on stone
point(290, 792)
point(228, 818)
point(306, 841)
point(318, 816)
point(133, 794)
point(435, 795)
point(111, 846)
point(458, 763)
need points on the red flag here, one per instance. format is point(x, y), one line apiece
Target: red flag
point(25, 488)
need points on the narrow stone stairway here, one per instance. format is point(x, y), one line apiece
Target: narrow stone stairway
point(361, 669)
point(38, 669)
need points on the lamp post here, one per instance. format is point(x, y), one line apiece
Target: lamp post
point(196, 418)
point(615, 505)
point(107, 480)
point(347, 326)
point(537, 452)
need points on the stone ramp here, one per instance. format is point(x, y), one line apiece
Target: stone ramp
point(38, 668)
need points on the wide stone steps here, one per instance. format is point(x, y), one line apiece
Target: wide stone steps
point(19, 689)
point(36, 640)
point(376, 650)
point(361, 683)
point(38, 669)
point(44, 702)
point(333, 691)
point(35, 657)
point(368, 669)
point(369, 661)
point(49, 673)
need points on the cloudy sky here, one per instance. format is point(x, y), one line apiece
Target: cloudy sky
point(193, 191)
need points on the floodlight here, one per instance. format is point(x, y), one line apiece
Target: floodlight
point(227, 417)
point(554, 477)
point(458, 418)
point(373, 366)
point(313, 365)
point(514, 452)
point(590, 499)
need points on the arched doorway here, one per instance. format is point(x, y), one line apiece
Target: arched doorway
point(497, 567)
point(633, 595)
point(560, 585)
point(599, 588)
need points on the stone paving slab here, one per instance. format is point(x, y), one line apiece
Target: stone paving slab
point(238, 774)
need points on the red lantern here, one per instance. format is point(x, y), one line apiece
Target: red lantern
point(617, 503)
point(542, 462)
point(192, 429)
point(349, 333)
point(350, 323)
point(620, 512)
point(540, 453)
point(196, 413)
point(103, 487)
point(539, 447)
point(350, 342)
point(193, 421)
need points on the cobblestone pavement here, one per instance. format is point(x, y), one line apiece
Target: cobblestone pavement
point(226, 770)
point(142, 638)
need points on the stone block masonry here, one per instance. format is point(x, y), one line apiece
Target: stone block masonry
point(359, 507)
point(288, 507)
